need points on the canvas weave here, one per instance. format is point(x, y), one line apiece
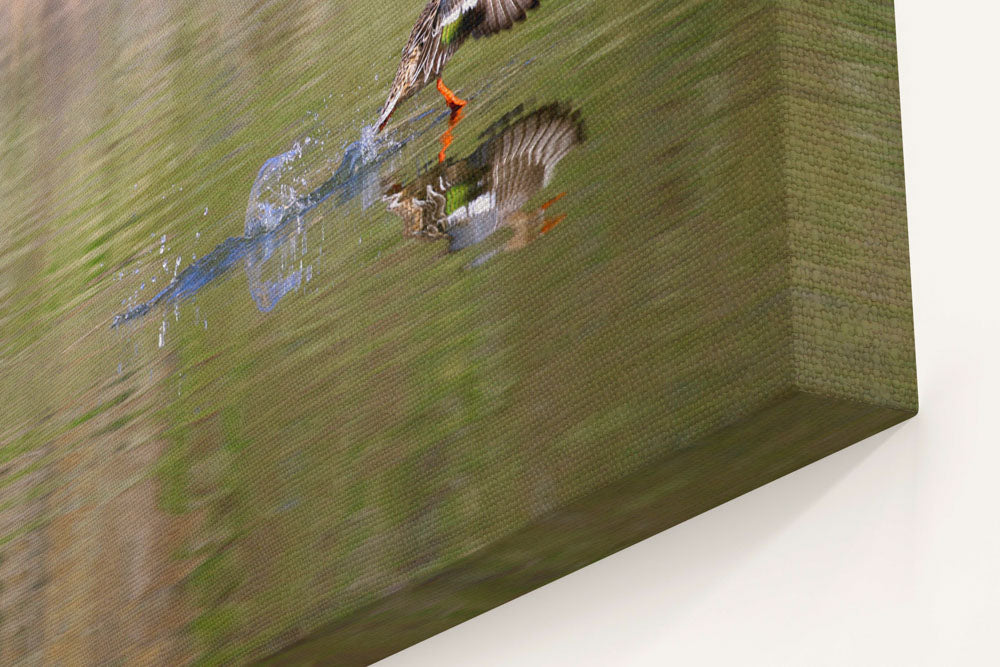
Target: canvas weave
point(278, 385)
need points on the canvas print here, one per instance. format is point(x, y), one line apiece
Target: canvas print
point(326, 325)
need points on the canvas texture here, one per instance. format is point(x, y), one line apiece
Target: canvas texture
point(305, 357)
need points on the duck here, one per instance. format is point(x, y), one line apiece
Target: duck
point(466, 201)
point(443, 26)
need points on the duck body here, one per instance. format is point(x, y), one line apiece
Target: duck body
point(468, 200)
point(443, 26)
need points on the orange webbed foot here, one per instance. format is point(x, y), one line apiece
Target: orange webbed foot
point(550, 223)
point(552, 201)
point(453, 100)
point(447, 137)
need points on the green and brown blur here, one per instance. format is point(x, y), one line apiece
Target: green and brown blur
point(212, 483)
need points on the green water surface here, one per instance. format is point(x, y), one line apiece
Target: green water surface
point(212, 481)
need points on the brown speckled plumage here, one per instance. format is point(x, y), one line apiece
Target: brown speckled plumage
point(432, 41)
point(509, 169)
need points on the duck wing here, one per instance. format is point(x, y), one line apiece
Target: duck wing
point(522, 159)
point(497, 15)
point(446, 24)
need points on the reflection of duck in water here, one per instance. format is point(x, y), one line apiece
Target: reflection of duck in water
point(442, 27)
point(468, 200)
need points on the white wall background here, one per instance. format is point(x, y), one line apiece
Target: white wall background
point(887, 553)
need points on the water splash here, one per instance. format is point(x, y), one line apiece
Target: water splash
point(273, 194)
point(287, 187)
point(274, 222)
